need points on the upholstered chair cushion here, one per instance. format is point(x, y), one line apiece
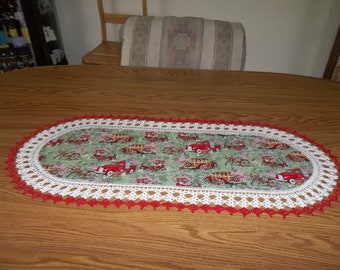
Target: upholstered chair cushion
point(183, 42)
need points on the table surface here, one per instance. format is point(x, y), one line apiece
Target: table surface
point(43, 235)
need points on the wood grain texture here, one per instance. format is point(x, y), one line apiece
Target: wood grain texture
point(106, 53)
point(43, 235)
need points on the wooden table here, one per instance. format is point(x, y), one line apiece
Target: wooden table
point(42, 235)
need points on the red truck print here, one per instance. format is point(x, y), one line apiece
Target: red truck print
point(291, 176)
point(116, 168)
point(203, 147)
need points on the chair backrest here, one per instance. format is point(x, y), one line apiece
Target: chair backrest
point(106, 17)
point(183, 42)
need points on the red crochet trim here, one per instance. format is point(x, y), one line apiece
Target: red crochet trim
point(35, 194)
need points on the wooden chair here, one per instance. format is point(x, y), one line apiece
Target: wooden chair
point(172, 42)
point(108, 52)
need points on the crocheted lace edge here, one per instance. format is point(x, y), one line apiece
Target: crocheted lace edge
point(36, 194)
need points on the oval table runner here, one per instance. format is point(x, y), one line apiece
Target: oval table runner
point(187, 164)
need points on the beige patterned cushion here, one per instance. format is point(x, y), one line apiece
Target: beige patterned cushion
point(183, 42)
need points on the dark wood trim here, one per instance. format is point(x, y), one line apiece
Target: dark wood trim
point(34, 24)
point(333, 57)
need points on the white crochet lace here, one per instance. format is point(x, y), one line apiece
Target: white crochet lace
point(319, 185)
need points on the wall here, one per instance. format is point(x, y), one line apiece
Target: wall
point(288, 36)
